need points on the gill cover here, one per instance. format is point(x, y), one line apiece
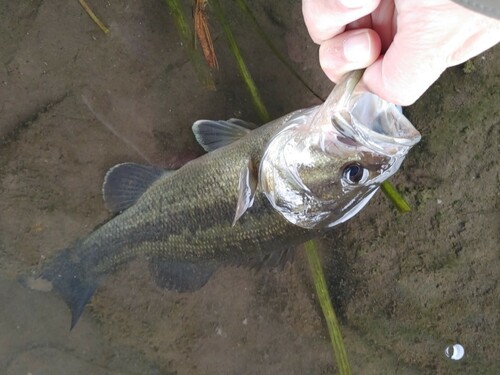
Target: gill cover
point(351, 122)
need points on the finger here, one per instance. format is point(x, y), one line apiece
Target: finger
point(425, 46)
point(326, 18)
point(384, 22)
point(354, 49)
point(401, 76)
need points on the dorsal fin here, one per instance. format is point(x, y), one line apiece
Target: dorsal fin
point(125, 183)
point(212, 134)
point(244, 124)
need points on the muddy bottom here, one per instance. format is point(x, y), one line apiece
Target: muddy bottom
point(74, 102)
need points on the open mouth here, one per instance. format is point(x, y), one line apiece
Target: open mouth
point(376, 123)
point(367, 118)
point(383, 120)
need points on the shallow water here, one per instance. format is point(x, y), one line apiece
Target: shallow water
point(74, 102)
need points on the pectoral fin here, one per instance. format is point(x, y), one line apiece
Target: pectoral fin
point(247, 186)
point(274, 260)
point(181, 276)
point(126, 182)
point(278, 259)
point(212, 135)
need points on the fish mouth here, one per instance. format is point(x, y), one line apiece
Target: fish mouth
point(365, 117)
point(376, 123)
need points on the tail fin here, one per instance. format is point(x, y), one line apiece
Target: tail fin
point(71, 279)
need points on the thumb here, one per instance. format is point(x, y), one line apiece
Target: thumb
point(404, 73)
point(429, 39)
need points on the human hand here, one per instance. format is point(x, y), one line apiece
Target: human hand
point(404, 45)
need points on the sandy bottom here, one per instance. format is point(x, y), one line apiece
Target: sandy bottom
point(74, 102)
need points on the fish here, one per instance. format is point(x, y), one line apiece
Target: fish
point(249, 201)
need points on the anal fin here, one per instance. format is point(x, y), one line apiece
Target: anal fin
point(181, 276)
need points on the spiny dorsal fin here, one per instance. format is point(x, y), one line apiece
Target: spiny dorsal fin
point(246, 189)
point(126, 182)
point(212, 135)
point(244, 124)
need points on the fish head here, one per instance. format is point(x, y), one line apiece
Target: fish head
point(327, 162)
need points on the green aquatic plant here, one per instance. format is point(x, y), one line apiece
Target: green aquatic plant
point(394, 196)
point(245, 73)
point(248, 12)
point(327, 308)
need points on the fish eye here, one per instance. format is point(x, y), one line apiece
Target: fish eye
point(354, 173)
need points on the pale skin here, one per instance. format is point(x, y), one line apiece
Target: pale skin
point(404, 45)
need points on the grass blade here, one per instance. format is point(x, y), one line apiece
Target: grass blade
point(244, 6)
point(92, 15)
point(245, 73)
point(396, 198)
point(327, 308)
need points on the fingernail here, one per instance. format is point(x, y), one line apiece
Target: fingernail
point(353, 3)
point(357, 47)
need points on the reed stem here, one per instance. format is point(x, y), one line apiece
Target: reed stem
point(92, 15)
point(327, 307)
point(245, 73)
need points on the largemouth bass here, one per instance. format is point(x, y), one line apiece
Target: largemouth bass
point(251, 199)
